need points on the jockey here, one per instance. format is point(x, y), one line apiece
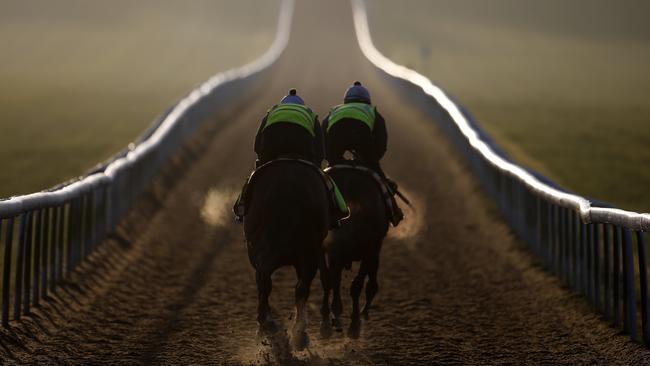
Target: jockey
point(357, 126)
point(289, 129)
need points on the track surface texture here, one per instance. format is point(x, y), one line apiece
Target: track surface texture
point(454, 285)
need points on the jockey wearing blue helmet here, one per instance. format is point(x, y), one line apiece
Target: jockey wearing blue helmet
point(357, 93)
point(357, 126)
point(292, 98)
point(289, 129)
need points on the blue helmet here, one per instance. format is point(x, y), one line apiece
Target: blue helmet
point(357, 93)
point(292, 98)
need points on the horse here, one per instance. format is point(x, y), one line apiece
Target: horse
point(286, 222)
point(359, 238)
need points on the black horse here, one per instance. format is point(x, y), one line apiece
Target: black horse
point(358, 239)
point(286, 222)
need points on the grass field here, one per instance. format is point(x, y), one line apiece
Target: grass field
point(564, 86)
point(80, 79)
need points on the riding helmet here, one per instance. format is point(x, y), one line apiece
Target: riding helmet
point(292, 98)
point(357, 93)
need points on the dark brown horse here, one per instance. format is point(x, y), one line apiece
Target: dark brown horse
point(287, 219)
point(358, 239)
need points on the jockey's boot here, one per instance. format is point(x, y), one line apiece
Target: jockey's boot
point(239, 208)
point(397, 214)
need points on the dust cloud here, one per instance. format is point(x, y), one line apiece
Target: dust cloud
point(216, 210)
point(413, 216)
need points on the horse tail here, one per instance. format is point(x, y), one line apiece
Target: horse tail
point(274, 235)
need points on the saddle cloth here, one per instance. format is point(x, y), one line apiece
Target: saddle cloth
point(338, 207)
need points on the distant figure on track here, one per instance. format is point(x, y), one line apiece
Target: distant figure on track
point(286, 207)
point(356, 126)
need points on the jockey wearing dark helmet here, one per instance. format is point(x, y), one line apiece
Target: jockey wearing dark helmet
point(357, 126)
point(289, 129)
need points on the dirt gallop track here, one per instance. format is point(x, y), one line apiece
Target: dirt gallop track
point(455, 287)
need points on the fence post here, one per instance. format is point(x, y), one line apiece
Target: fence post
point(549, 237)
point(54, 234)
point(629, 301)
point(596, 272)
point(538, 225)
point(70, 238)
point(643, 282)
point(60, 244)
point(20, 255)
point(563, 245)
point(617, 276)
point(568, 243)
point(583, 267)
point(87, 224)
point(589, 262)
point(608, 272)
point(6, 271)
point(45, 248)
point(575, 239)
point(556, 240)
point(28, 262)
point(36, 256)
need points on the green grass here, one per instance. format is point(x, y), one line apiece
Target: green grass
point(563, 86)
point(79, 80)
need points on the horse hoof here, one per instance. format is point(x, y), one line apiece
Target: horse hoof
point(268, 327)
point(336, 323)
point(300, 341)
point(326, 328)
point(366, 315)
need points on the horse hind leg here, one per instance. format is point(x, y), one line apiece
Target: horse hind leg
point(355, 292)
point(337, 304)
point(371, 286)
point(326, 323)
point(299, 337)
point(264, 286)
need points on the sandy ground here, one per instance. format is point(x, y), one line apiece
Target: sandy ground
point(455, 286)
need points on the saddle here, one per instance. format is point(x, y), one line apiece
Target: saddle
point(338, 208)
point(386, 190)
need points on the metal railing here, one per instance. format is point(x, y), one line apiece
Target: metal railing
point(598, 250)
point(46, 235)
